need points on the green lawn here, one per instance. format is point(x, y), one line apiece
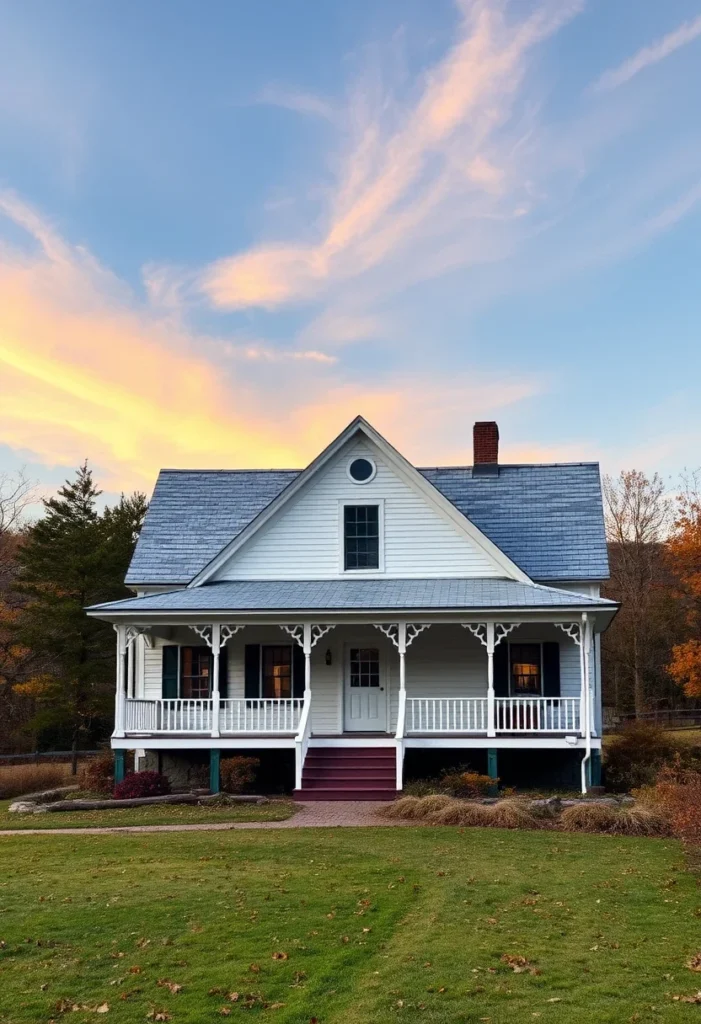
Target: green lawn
point(163, 814)
point(360, 926)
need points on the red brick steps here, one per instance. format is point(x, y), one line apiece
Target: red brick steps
point(348, 773)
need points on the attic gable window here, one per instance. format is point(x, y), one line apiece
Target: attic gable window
point(361, 537)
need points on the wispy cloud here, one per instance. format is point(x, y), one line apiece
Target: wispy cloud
point(649, 55)
point(297, 101)
point(404, 172)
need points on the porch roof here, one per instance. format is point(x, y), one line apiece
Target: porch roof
point(354, 595)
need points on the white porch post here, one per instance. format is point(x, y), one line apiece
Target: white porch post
point(131, 667)
point(401, 709)
point(582, 677)
point(491, 729)
point(216, 645)
point(307, 648)
point(119, 703)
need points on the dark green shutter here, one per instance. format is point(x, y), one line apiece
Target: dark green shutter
point(252, 671)
point(170, 687)
point(297, 671)
point(501, 669)
point(551, 669)
point(223, 673)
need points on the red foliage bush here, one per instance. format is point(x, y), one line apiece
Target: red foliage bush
point(678, 793)
point(140, 784)
point(237, 773)
point(97, 773)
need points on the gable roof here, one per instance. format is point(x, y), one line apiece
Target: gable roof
point(403, 468)
point(548, 519)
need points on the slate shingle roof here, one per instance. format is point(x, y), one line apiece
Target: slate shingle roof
point(548, 519)
point(307, 595)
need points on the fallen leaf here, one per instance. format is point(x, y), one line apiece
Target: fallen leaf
point(172, 986)
point(225, 1011)
point(694, 964)
point(135, 969)
point(102, 1008)
point(688, 999)
point(255, 968)
point(281, 956)
point(143, 943)
point(275, 1006)
point(233, 997)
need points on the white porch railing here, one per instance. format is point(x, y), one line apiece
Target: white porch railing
point(260, 715)
point(511, 714)
point(537, 714)
point(185, 715)
point(446, 714)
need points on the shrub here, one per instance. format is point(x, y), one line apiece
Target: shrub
point(238, 773)
point(468, 784)
point(636, 756)
point(460, 812)
point(512, 814)
point(421, 787)
point(586, 817)
point(677, 795)
point(21, 779)
point(97, 773)
point(140, 784)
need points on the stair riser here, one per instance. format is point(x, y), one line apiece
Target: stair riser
point(351, 752)
point(353, 776)
point(313, 795)
point(349, 762)
point(347, 784)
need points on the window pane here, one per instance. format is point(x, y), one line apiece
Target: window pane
point(361, 531)
point(364, 667)
point(525, 669)
point(277, 671)
point(195, 672)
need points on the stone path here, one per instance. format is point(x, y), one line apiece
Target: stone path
point(321, 814)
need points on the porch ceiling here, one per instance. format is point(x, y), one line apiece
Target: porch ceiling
point(355, 595)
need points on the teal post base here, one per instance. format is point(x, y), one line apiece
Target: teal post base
point(594, 767)
point(119, 765)
point(492, 769)
point(214, 779)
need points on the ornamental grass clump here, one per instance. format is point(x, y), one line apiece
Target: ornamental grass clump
point(405, 807)
point(513, 814)
point(588, 817)
point(429, 805)
point(460, 812)
point(640, 821)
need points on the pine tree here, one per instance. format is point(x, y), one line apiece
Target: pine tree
point(74, 556)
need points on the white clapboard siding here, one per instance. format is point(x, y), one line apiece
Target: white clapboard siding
point(304, 540)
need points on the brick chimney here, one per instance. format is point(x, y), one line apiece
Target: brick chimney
point(485, 442)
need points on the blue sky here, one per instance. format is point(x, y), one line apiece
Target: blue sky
point(225, 229)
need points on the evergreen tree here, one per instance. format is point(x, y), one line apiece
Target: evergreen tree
point(74, 556)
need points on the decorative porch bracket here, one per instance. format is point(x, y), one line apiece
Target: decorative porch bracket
point(573, 630)
point(216, 636)
point(131, 635)
point(490, 635)
point(576, 631)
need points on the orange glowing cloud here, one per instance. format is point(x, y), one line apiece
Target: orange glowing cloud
point(86, 370)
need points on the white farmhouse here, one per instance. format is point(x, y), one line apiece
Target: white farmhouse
point(368, 617)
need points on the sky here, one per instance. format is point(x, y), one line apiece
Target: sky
point(228, 228)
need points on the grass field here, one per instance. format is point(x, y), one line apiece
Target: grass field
point(163, 814)
point(360, 926)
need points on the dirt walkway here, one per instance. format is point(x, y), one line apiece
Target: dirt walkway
point(324, 814)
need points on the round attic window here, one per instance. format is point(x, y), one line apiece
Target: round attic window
point(361, 471)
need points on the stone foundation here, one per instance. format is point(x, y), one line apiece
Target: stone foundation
point(180, 769)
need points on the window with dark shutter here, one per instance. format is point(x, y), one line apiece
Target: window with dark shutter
point(361, 536)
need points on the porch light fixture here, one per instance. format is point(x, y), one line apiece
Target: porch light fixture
point(328, 658)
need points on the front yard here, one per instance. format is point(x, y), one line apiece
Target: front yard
point(360, 926)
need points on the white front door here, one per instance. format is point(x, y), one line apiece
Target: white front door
point(365, 701)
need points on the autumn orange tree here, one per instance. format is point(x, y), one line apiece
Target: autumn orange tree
point(684, 551)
